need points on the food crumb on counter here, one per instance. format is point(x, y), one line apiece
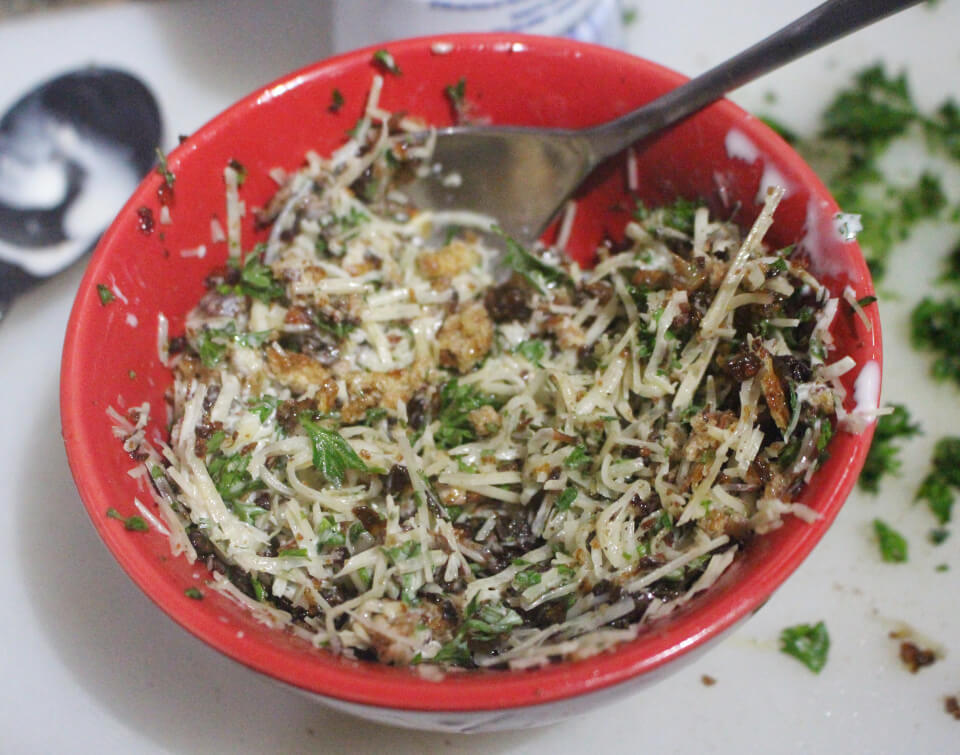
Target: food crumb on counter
point(952, 706)
point(707, 681)
point(915, 657)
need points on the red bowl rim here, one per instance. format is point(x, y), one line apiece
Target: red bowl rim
point(387, 687)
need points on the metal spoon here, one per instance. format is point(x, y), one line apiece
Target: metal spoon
point(71, 152)
point(522, 176)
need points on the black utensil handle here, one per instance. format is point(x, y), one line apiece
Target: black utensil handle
point(13, 281)
point(822, 25)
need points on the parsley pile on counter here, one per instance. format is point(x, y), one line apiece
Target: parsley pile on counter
point(939, 486)
point(883, 458)
point(857, 129)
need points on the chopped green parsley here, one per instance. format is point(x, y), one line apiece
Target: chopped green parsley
point(456, 403)
point(539, 274)
point(456, 93)
point(482, 624)
point(939, 535)
point(566, 499)
point(883, 457)
point(809, 644)
point(163, 169)
point(338, 329)
point(212, 343)
point(857, 127)
point(935, 326)
point(680, 215)
point(240, 169)
point(403, 552)
point(577, 458)
point(256, 279)
point(893, 545)
point(785, 133)
point(523, 580)
point(383, 58)
point(876, 108)
point(951, 272)
point(263, 406)
point(332, 455)
point(230, 476)
point(105, 294)
point(937, 488)
point(133, 523)
point(533, 351)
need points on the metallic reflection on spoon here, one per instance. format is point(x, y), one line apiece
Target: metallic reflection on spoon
point(71, 153)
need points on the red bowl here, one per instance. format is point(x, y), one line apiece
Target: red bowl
point(110, 356)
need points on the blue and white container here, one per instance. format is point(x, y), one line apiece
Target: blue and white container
point(362, 22)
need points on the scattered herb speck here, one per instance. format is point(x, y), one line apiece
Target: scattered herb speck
point(808, 643)
point(893, 545)
point(105, 294)
point(133, 523)
point(383, 58)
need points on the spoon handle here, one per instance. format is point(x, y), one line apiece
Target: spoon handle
point(822, 25)
point(13, 281)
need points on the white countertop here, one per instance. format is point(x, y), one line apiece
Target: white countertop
point(88, 664)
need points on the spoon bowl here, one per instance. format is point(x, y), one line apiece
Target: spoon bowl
point(71, 151)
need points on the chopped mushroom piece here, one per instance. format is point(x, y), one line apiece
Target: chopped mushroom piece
point(773, 391)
